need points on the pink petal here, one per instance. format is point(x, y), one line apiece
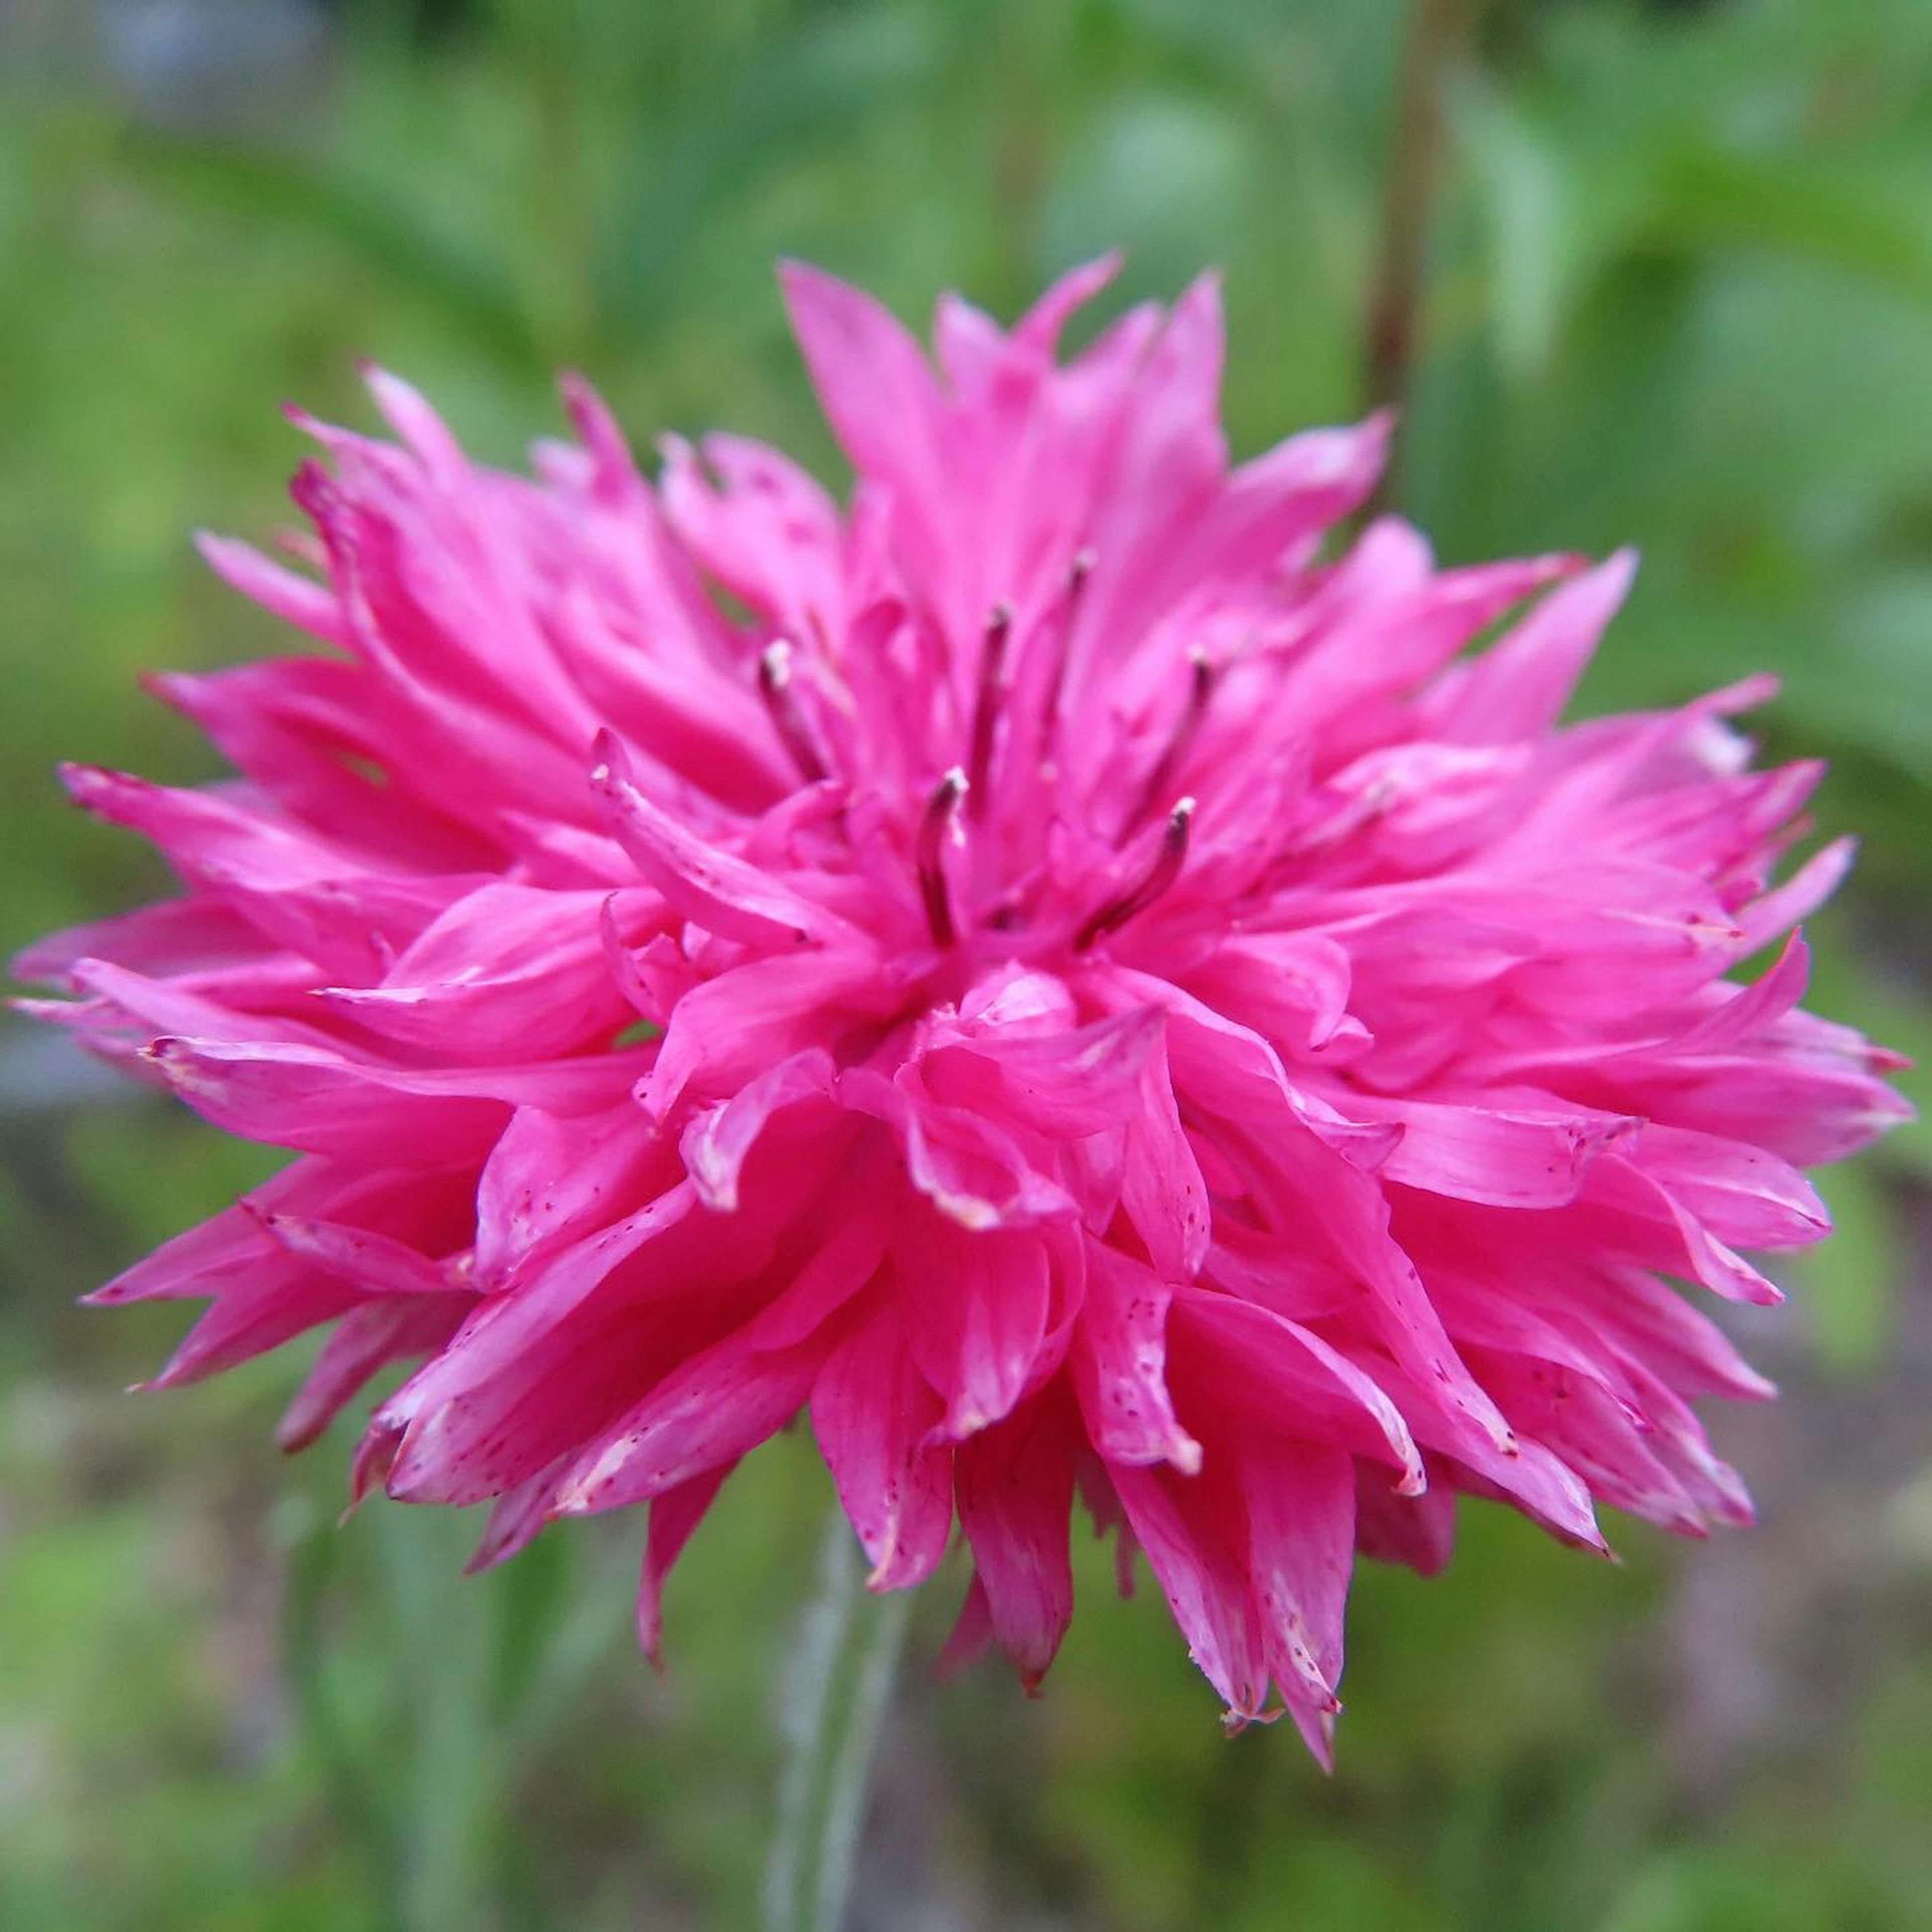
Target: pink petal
point(1521, 685)
point(707, 884)
point(366, 1340)
point(1205, 1580)
point(975, 1307)
point(875, 1417)
point(717, 1141)
point(1121, 1364)
point(1015, 1489)
point(1301, 1538)
point(730, 1398)
point(674, 1516)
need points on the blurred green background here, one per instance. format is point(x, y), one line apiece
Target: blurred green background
point(1654, 273)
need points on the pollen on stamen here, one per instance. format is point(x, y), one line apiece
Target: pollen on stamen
point(788, 720)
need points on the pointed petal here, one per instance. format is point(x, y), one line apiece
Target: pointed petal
point(976, 1308)
point(707, 884)
point(717, 1141)
point(1014, 1485)
point(1205, 1582)
point(1301, 1545)
point(365, 1340)
point(731, 1396)
point(1519, 689)
point(1162, 1190)
point(874, 1416)
point(674, 1516)
point(1119, 1361)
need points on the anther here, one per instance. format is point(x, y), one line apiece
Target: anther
point(1161, 874)
point(986, 706)
point(1167, 767)
point(788, 720)
point(941, 821)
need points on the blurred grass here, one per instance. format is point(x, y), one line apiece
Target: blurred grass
point(1678, 291)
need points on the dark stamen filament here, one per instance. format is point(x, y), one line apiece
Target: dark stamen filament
point(1167, 767)
point(940, 822)
point(788, 720)
point(1161, 874)
point(1078, 572)
point(986, 709)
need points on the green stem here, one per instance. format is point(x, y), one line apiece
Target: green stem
point(840, 1682)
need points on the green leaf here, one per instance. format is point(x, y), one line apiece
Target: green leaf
point(1535, 238)
point(474, 295)
point(1856, 220)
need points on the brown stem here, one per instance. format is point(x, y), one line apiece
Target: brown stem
point(1439, 34)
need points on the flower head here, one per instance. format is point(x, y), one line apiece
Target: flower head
point(1132, 1008)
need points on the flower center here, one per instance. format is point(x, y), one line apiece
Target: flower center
point(1036, 839)
point(988, 812)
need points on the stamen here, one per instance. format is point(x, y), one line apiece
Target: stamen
point(788, 720)
point(986, 709)
point(1078, 572)
point(1167, 767)
point(1161, 874)
point(940, 822)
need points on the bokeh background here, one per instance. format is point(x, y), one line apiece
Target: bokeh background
point(1646, 272)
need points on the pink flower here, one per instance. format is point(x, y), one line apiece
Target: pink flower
point(1138, 1009)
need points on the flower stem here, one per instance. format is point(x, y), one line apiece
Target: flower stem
point(838, 1684)
point(1439, 36)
